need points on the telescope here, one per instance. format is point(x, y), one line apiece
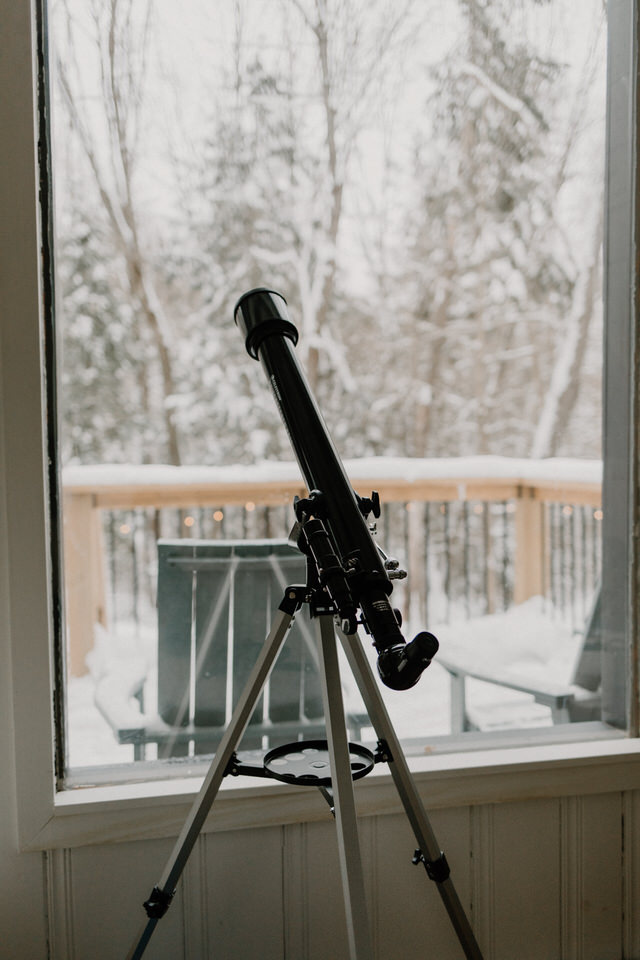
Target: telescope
point(332, 518)
point(348, 581)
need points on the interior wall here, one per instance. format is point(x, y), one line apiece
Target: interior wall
point(22, 905)
point(547, 879)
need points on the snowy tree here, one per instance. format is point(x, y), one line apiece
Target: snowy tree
point(492, 278)
point(106, 123)
point(103, 383)
point(276, 175)
point(456, 316)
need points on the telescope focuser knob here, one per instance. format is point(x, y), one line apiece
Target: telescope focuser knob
point(311, 506)
point(393, 568)
point(370, 504)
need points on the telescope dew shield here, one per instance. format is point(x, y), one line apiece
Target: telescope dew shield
point(270, 337)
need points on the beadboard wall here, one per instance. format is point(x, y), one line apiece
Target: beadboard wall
point(549, 879)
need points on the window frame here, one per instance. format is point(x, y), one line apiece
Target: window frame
point(621, 395)
point(52, 817)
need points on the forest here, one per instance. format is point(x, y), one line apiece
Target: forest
point(422, 180)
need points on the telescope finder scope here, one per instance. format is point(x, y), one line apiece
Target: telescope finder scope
point(270, 337)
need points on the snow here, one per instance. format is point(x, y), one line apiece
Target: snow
point(562, 470)
point(524, 641)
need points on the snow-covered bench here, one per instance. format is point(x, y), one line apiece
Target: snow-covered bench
point(535, 665)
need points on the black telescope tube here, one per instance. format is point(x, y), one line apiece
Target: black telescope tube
point(270, 336)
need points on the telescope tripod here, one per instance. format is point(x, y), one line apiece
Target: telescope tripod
point(331, 765)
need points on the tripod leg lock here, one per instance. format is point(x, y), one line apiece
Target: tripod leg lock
point(437, 870)
point(158, 903)
point(294, 597)
point(382, 754)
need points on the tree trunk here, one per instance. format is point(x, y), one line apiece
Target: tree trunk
point(564, 388)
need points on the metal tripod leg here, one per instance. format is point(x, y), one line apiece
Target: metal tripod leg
point(358, 932)
point(432, 856)
point(163, 892)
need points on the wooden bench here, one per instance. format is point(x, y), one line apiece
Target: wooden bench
point(216, 601)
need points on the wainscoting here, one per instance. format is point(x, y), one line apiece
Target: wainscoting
point(542, 879)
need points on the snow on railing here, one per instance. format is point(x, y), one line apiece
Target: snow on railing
point(476, 534)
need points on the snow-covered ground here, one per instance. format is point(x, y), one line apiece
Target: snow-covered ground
point(525, 640)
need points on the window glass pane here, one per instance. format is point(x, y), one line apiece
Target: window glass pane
point(423, 182)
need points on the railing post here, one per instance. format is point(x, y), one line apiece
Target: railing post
point(529, 550)
point(416, 601)
point(84, 578)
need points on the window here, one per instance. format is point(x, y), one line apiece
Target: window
point(23, 447)
point(431, 205)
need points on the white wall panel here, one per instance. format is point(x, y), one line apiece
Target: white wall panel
point(631, 874)
point(408, 907)
point(242, 878)
point(541, 880)
point(97, 902)
point(523, 869)
point(295, 892)
point(482, 873)
point(326, 931)
point(591, 877)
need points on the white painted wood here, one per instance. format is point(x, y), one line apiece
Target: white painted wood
point(630, 854)
point(541, 879)
point(571, 868)
point(369, 838)
point(107, 887)
point(105, 814)
point(327, 928)
point(620, 606)
point(526, 881)
point(482, 877)
point(295, 894)
point(195, 893)
point(599, 877)
point(244, 894)
point(26, 547)
point(60, 903)
point(23, 904)
point(409, 910)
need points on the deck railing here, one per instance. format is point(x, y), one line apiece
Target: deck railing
point(475, 534)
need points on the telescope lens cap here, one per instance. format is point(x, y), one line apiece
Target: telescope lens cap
point(260, 313)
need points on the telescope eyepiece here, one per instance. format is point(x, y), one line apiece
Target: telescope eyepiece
point(401, 666)
point(261, 313)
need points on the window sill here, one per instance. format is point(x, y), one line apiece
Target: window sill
point(136, 811)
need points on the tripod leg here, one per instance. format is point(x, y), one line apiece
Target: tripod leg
point(162, 894)
point(360, 947)
point(432, 856)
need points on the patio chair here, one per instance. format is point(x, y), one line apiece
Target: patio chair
point(216, 601)
point(576, 700)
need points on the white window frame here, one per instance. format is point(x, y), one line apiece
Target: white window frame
point(51, 818)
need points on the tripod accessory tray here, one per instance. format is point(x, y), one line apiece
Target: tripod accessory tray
point(307, 763)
